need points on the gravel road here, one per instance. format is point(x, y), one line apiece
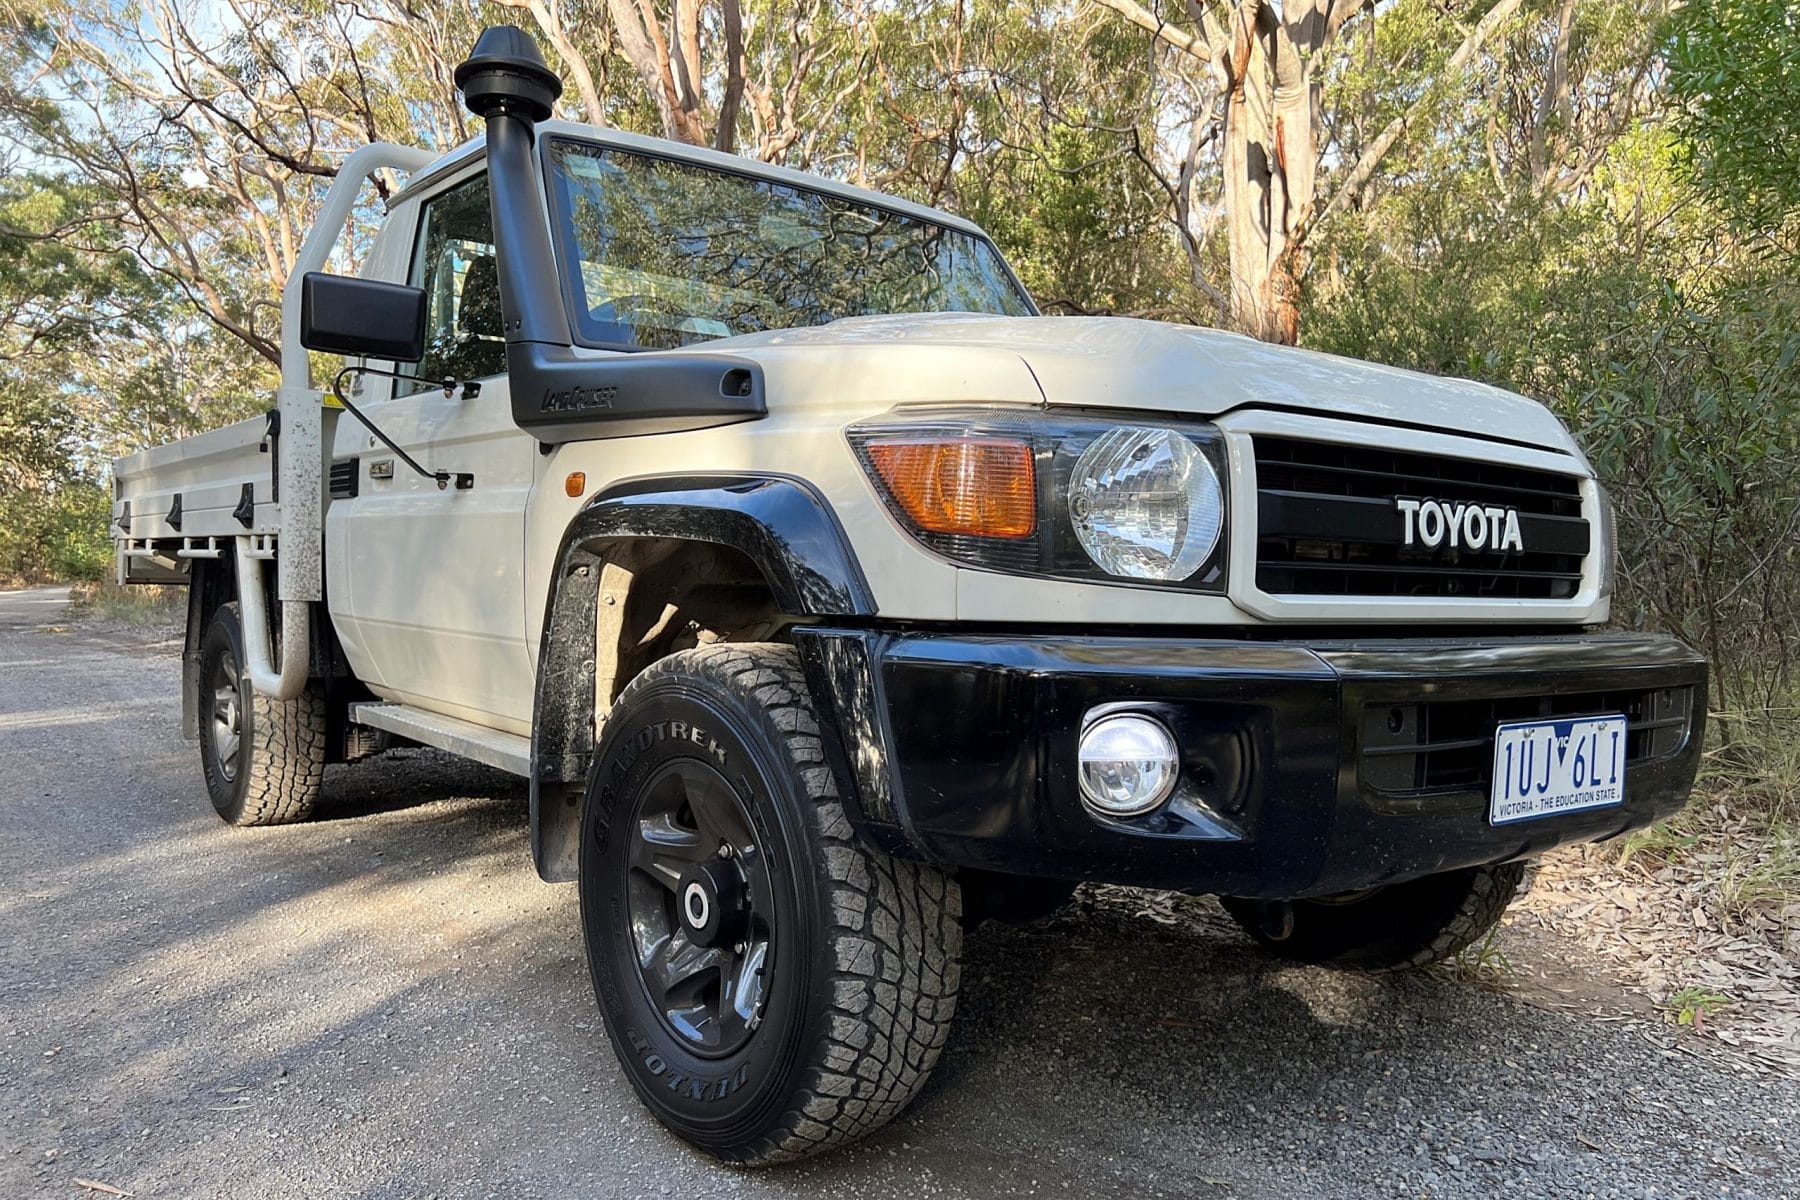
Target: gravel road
point(387, 1003)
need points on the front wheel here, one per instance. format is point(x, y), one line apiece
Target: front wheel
point(771, 986)
point(1399, 927)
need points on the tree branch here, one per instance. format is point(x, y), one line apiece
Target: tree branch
point(1166, 33)
point(1357, 178)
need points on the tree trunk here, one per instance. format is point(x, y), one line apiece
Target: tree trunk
point(1270, 160)
point(1263, 61)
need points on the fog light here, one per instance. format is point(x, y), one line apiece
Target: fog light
point(1128, 765)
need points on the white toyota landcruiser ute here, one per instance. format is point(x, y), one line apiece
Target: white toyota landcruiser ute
point(830, 598)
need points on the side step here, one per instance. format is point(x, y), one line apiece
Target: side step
point(507, 751)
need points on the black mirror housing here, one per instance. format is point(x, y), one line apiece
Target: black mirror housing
point(362, 318)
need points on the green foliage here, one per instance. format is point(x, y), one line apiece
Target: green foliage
point(56, 534)
point(97, 358)
point(1734, 75)
point(1054, 170)
point(1692, 409)
point(1483, 962)
point(1692, 1005)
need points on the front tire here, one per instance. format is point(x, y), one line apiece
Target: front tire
point(1400, 927)
point(771, 986)
point(263, 759)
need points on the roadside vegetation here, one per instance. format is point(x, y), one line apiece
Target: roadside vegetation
point(1595, 202)
point(101, 601)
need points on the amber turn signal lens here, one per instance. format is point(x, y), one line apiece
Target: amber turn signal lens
point(981, 486)
point(574, 484)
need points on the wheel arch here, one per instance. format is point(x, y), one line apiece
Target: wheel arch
point(649, 566)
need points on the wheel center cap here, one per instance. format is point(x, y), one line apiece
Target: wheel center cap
point(713, 902)
point(696, 906)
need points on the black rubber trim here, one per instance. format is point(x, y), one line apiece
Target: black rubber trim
point(840, 674)
point(271, 445)
point(345, 478)
point(1256, 406)
point(245, 512)
point(781, 523)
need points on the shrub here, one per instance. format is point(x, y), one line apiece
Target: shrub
point(55, 534)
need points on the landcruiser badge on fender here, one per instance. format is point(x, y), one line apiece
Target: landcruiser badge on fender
point(1466, 526)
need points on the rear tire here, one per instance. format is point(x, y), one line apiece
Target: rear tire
point(263, 759)
point(1401, 927)
point(772, 987)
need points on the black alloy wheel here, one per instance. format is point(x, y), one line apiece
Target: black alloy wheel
point(225, 724)
point(263, 760)
point(771, 986)
point(701, 906)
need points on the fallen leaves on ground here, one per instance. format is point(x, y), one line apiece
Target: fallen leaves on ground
point(1656, 926)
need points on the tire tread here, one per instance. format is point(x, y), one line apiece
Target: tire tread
point(895, 929)
point(283, 756)
point(1396, 938)
point(287, 760)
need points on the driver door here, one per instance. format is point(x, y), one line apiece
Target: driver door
point(442, 602)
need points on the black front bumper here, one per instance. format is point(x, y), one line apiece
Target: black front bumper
point(1307, 768)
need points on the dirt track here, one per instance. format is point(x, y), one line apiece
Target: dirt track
point(386, 1003)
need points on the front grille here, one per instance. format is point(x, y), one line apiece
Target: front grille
point(1328, 524)
point(1448, 745)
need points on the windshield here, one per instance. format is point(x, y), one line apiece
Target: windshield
point(670, 253)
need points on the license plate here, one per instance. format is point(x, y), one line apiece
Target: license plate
point(1542, 768)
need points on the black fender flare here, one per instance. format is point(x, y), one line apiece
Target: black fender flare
point(780, 523)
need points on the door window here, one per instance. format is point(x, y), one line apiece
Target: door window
point(453, 261)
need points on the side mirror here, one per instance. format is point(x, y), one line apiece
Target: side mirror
point(363, 318)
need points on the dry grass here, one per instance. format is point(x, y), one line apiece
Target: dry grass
point(1702, 913)
point(1742, 830)
point(136, 606)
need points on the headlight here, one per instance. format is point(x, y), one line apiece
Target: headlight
point(1047, 493)
point(1146, 504)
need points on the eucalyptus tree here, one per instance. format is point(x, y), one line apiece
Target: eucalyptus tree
point(1254, 85)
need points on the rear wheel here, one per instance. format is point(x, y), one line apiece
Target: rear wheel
point(772, 987)
point(1400, 927)
point(263, 759)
